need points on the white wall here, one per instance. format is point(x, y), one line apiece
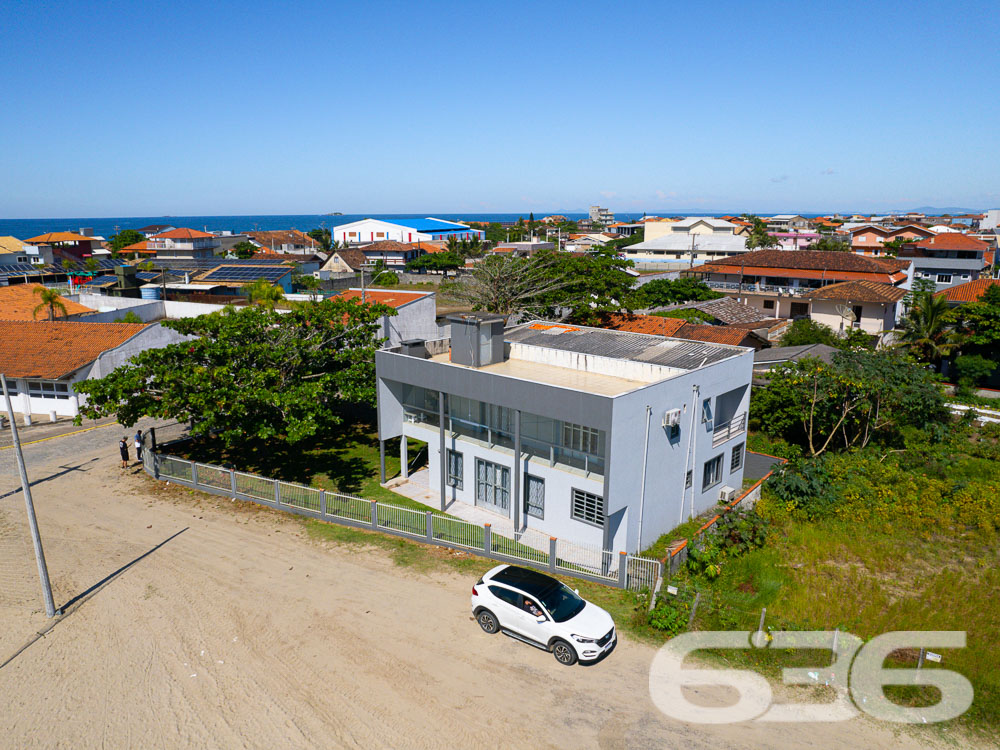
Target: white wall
point(367, 231)
point(415, 320)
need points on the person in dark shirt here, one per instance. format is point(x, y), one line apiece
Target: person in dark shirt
point(123, 449)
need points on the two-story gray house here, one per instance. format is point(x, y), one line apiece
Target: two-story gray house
point(599, 437)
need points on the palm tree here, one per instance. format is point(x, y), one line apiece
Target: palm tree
point(927, 329)
point(263, 293)
point(51, 299)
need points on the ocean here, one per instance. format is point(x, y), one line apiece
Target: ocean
point(107, 226)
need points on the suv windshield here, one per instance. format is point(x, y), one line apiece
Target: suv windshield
point(562, 602)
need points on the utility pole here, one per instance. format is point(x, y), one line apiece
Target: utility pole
point(43, 571)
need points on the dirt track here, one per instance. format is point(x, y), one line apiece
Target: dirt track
point(239, 632)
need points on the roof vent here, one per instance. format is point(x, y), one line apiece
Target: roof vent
point(413, 348)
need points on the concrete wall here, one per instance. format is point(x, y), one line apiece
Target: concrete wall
point(875, 318)
point(666, 503)
point(152, 337)
point(113, 308)
point(416, 320)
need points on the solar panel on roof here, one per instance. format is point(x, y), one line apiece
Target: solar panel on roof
point(229, 273)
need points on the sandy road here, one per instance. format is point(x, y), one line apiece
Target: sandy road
point(235, 630)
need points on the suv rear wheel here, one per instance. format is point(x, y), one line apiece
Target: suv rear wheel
point(564, 653)
point(488, 621)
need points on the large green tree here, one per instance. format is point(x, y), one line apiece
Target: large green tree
point(250, 374)
point(861, 396)
point(244, 250)
point(928, 328)
point(588, 285)
point(663, 292)
point(505, 284)
point(831, 244)
point(444, 262)
point(979, 323)
point(123, 239)
point(323, 236)
point(758, 238)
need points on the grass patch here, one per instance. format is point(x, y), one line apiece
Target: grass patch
point(346, 460)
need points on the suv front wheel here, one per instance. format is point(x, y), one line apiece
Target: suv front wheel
point(564, 653)
point(488, 621)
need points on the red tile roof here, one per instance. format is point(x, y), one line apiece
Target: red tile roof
point(715, 334)
point(283, 237)
point(383, 297)
point(969, 291)
point(809, 264)
point(56, 350)
point(182, 234)
point(19, 301)
point(45, 239)
point(952, 241)
point(653, 324)
point(862, 290)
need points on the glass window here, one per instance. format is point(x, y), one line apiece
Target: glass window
point(584, 439)
point(587, 507)
point(769, 304)
point(736, 462)
point(456, 469)
point(706, 410)
point(944, 278)
point(687, 479)
point(534, 496)
point(11, 389)
point(712, 474)
point(506, 595)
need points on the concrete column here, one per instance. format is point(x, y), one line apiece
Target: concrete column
point(381, 460)
point(517, 469)
point(443, 458)
point(404, 459)
point(607, 540)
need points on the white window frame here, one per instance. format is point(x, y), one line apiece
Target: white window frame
point(708, 482)
point(455, 460)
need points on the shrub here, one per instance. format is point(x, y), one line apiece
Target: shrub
point(804, 486)
point(670, 615)
point(740, 530)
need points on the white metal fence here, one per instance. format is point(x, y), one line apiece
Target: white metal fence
point(529, 547)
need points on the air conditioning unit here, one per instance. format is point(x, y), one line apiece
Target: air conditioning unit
point(672, 418)
point(727, 495)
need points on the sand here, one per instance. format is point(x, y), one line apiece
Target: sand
point(230, 628)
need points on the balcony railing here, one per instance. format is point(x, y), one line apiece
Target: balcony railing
point(751, 288)
point(727, 430)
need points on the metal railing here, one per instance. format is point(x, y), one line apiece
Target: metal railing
point(530, 547)
point(727, 430)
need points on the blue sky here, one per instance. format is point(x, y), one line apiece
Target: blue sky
point(119, 109)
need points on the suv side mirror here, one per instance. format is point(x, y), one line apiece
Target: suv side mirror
point(576, 591)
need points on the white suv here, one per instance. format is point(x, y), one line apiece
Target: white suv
point(542, 612)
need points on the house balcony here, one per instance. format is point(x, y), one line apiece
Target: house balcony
point(755, 288)
point(725, 431)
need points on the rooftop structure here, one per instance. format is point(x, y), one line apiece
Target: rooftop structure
point(970, 291)
point(947, 259)
point(368, 231)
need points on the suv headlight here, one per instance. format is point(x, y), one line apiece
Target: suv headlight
point(581, 639)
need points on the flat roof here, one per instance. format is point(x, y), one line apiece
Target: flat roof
point(562, 377)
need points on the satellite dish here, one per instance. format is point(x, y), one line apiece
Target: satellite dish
point(846, 313)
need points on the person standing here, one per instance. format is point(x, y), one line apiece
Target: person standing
point(138, 446)
point(123, 449)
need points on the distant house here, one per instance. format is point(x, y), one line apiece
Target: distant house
point(870, 306)
point(598, 215)
point(775, 281)
point(183, 243)
point(555, 219)
point(415, 318)
point(786, 222)
point(368, 231)
point(344, 260)
point(868, 239)
point(947, 259)
point(284, 241)
point(391, 253)
point(51, 357)
point(970, 291)
point(12, 250)
point(303, 262)
point(152, 229)
point(586, 241)
point(66, 245)
point(680, 249)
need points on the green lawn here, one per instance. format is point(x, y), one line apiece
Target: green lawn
point(346, 460)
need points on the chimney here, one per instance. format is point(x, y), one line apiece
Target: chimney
point(413, 348)
point(476, 339)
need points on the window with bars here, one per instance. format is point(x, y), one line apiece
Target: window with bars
point(456, 469)
point(736, 462)
point(492, 484)
point(587, 507)
point(687, 479)
point(534, 496)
